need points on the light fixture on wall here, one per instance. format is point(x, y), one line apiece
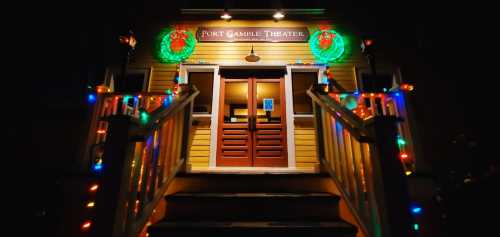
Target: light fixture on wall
point(278, 15)
point(252, 57)
point(226, 16)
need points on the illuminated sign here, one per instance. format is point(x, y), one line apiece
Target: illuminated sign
point(252, 34)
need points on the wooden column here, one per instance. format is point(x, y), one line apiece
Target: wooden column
point(111, 197)
point(391, 188)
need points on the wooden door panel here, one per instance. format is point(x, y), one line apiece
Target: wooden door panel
point(268, 153)
point(262, 140)
point(267, 137)
point(268, 142)
point(234, 153)
point(235, 126)
point(234, 142)
point(270, 135)
point(235, 147)
point(236, 132)
point(269, 126)
point(234, 138)
point(268, 132)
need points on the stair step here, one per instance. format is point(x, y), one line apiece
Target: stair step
point(254, 228)
point(252, 206)
point(252, 183)
point(250, 195)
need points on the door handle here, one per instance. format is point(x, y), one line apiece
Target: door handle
point(252, 123)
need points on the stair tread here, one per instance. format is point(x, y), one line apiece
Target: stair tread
point(215, 175)
point(252, 195)
point(253, 224)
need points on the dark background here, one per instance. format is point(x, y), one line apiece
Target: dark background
point(444, 49)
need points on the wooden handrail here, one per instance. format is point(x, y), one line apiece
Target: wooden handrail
point(338, 86)
point(348, 119)
point(160, 115)
point(108, 94)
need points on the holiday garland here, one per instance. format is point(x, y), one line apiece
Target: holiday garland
point(327, 45)
point(175, 46)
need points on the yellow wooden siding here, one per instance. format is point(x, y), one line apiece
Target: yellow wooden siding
point(199, 147)
point(305, 148)
point(229, 53)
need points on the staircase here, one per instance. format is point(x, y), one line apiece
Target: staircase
point(249, 205)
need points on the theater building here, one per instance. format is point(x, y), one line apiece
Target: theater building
point(293, 101)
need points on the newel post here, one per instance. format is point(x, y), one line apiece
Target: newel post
point(186, 131)
point(391, 187)
point(111, 198)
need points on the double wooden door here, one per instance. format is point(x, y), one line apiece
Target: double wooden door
point(252, 126)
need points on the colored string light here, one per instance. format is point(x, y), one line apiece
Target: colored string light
point(93, 187)
point(90, 204)
point(91, 98)
point(86, 225)
point(97, 167)
point(144, 117)
point(401, 141)
point(416, 210)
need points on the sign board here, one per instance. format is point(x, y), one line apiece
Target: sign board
point(252, 34)
point(268, 104)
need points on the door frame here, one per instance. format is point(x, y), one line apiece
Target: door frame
point(319, 68)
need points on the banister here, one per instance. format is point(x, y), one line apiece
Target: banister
point(362, 157)
point(348, 119)
point(140, 158)
point(338, 86)
point(162, 114)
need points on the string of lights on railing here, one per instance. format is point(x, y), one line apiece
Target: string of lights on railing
point(97, 163)
point(363, 105)
point(366, 105)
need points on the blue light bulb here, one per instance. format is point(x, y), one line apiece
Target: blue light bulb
point(91, 98)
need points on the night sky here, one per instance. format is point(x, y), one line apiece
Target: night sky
point(439, 48)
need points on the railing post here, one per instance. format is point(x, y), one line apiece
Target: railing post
point(318, 125)
point(112, 195)
point(394, 199)
point(91, 126)
point(188, 120)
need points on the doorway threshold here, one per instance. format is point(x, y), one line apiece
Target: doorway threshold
point(254, 170)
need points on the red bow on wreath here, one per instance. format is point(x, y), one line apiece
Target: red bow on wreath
point(325, 39)
point(178, 40)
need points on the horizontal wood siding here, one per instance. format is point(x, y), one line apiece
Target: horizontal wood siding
point(305, 147)
point(230, 53)
point(199, 147)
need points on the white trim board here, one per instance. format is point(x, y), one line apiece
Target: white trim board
point(184, 72)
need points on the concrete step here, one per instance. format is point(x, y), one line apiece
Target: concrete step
point(257, 228)
point(252, 206)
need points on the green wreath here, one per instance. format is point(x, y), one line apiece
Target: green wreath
point(330, 51)
point(168, 55)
